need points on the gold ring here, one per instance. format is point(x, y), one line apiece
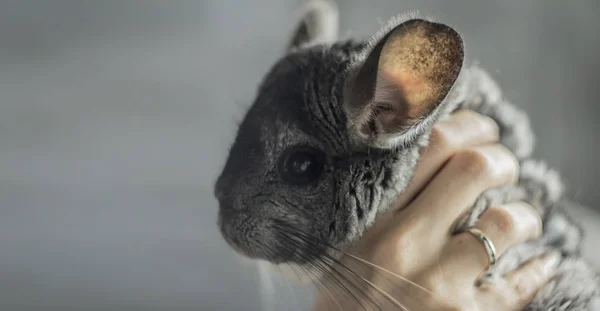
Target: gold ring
point(487, 244)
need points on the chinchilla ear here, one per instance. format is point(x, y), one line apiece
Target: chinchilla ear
point(318, 24)
point(396, 91)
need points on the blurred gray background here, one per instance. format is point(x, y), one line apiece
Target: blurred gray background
point(115, 118)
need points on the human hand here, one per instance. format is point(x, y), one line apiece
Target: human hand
point(435, 270)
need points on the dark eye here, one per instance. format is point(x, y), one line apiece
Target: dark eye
point(301, 165)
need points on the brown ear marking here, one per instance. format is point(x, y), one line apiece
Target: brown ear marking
point(423, 60)
point(407, 74)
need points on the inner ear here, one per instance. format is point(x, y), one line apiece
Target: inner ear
point(419, 62)
point(407, 74)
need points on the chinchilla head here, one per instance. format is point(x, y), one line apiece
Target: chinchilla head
point(330, 137)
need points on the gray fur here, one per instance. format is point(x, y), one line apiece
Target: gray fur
point(304, 101)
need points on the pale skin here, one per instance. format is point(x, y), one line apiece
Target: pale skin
point(414, 240)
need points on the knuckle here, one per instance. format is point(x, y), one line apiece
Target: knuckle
point(530, 280)
point(485, 124)
point(441, 138)
point(475, 162)
point(472, 120)
point(502, 221)
point(525, 287)
point(487, 164)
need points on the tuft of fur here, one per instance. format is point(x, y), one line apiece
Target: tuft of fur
point(574, 288)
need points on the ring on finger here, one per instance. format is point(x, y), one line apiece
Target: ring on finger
point(490, 249)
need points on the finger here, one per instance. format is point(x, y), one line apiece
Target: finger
point(530, 277)
point(464, 129)
point(456, 187)
point(504, 226)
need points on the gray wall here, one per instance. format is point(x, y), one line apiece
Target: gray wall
point(115, 117)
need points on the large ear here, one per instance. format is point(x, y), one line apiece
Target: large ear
point(398, 89)
point(319, 24)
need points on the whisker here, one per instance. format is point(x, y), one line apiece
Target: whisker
point(332, 273)
point(322, 286)
point(353, 274)
point(314, 279)
point(393, 274)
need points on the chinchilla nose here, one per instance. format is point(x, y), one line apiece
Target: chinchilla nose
point(229, 203)
point(248, 234)
point(253, 233)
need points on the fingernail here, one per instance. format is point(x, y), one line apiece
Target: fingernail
point(551, 260)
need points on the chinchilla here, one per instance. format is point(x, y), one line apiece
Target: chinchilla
point(334, 134)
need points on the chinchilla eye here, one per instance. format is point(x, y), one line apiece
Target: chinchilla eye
point(301, 165)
